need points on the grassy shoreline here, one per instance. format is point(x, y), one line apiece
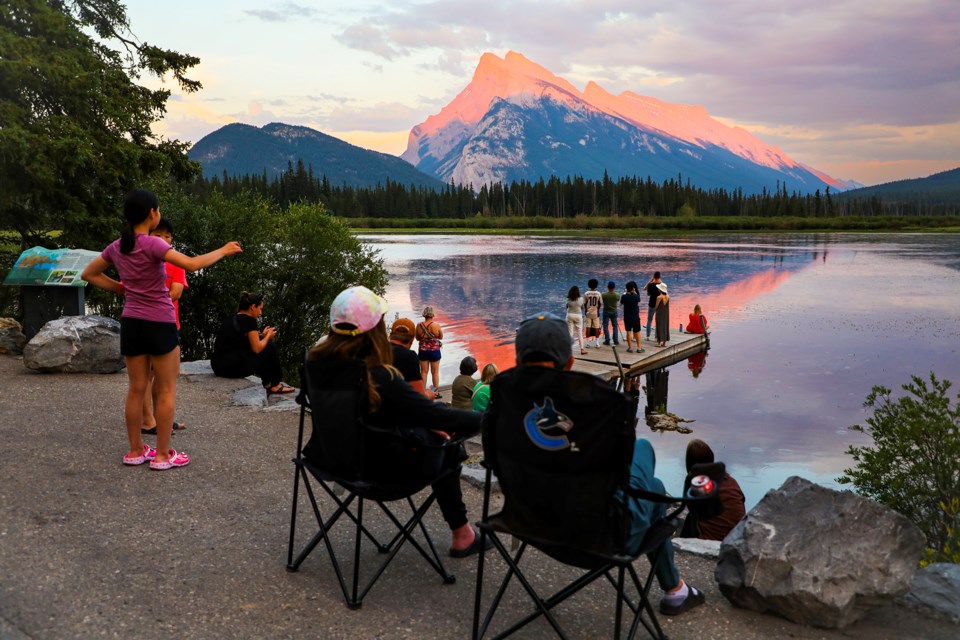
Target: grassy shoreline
point(651, 226)
point(626, 233)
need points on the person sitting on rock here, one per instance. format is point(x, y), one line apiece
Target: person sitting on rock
point(731, 497)
point(481, 391)
point(461, 391)
point(241, 349)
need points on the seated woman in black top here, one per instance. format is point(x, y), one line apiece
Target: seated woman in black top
point(357, 331)
point(240, 349)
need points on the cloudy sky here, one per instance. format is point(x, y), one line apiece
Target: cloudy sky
point(861, 89)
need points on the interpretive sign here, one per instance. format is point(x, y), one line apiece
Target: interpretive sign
point(50, 267)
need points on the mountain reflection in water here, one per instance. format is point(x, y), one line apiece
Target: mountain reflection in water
point(803, 326)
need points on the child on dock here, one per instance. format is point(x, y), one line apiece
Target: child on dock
point(592, 302)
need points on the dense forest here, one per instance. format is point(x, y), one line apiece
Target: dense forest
point(939, 188)
point(572, 197)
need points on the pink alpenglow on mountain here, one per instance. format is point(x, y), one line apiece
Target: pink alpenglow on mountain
point(517, 120)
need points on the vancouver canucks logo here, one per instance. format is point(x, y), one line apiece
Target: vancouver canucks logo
point(547, 428)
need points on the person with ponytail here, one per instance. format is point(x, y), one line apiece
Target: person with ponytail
point(357, 332)
point(148, 329)
point(242, 350)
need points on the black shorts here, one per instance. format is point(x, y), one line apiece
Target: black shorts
point(146, 337)
point(632, 324)
point(428, 356)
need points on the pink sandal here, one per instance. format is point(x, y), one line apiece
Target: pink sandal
point(149, 453)
point(175, 460)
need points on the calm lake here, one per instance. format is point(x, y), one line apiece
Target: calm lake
point(803, 325)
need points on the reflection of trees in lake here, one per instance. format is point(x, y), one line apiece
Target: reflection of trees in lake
point(503, 288)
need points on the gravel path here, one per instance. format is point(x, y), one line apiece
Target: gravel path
point(90, 548)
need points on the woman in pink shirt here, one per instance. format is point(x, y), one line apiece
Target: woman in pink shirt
point(148, 329)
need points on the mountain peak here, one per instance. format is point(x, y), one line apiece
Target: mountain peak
point(479, 120)
point(510, 77)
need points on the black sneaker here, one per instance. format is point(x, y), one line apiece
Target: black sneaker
point(694, 598)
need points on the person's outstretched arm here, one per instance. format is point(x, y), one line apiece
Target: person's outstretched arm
point(194, 263)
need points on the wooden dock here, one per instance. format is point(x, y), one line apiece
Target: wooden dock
point(603, 362)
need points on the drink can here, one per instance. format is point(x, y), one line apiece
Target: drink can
point(700, 486)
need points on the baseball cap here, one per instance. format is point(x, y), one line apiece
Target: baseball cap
point(546, 336)
point(403, 325)
point(356, 310)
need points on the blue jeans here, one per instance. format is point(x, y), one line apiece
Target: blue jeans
point(644, 513)
point(608, 317)
point(651, 312)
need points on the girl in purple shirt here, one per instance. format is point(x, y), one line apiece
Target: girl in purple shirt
point(148, 329)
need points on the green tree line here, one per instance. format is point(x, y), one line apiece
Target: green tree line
point(556, 198)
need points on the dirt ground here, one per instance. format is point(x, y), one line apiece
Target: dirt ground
point(91, 548)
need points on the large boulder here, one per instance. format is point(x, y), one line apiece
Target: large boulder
point(817, 556)
point(76, 344)
point(938, 586)
point(11, 337)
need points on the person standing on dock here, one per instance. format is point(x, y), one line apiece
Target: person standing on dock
point(662, 308)
point(630, 301)
point(575, 316)
point(652, 293)
point(610, 301)
point(592, 302)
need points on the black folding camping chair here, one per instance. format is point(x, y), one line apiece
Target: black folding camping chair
point(560, 444)
point(371, 464)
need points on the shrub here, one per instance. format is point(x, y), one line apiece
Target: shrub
point(299, 258)
point(315, 258)
point(913, 466)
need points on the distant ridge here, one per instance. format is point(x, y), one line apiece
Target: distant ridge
point(242, 149)
point(517, 120)
point(939, 188)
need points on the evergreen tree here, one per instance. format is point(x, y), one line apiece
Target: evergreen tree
point(74, 124)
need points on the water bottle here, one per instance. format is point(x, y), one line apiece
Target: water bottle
point(681, 327)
